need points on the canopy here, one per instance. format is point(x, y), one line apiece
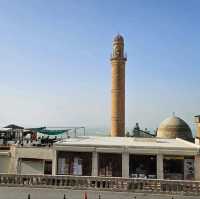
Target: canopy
point(36, 129)
point(13, 126)
point(51, 132)
point(5, 129)
point(46, 131)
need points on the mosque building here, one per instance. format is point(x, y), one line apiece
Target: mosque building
point(171, 154)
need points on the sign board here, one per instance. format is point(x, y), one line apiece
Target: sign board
point(188, 169)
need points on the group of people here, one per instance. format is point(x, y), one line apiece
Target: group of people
point(40, 141)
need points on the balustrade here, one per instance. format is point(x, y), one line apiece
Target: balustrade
point(103, 183)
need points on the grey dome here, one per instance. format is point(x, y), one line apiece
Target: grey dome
point(174, 127)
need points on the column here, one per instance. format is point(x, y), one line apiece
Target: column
point(160, 174)
point(54, 163)
point(125, 165)
point(197, 167)
point(94, 164)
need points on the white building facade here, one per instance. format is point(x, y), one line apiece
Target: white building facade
point(127, 157)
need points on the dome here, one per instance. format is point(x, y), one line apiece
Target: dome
point(118, 38)
point(174, 127)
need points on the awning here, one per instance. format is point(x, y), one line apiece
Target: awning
point(174, 157)
point(5, 129)
point(46, 131)
point(52, 132)
point(13, 126)
point(36, 129)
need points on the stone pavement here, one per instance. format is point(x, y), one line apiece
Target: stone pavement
point(45, 193)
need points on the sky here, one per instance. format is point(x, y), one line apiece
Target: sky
point(55, 68)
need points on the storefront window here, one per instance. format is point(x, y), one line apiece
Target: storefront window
point(142, 166)
point(110, 164)
point(74, 163)
point(178, 167)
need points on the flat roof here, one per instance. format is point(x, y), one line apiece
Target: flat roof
point(151, 143)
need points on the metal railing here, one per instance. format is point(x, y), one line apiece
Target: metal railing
point(103, 183)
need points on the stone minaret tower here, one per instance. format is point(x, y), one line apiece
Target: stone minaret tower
point(118, 60)
point(197, 142)
point(197, 121)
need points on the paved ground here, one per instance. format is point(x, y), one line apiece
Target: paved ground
point(38, 193)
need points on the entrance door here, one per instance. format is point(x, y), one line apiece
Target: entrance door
point(48, 167)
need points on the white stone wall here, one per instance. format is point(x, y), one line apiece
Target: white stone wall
point(34, 152)
point(4, 163)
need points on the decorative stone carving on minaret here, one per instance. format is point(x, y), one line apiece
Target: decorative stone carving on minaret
point(118, 60)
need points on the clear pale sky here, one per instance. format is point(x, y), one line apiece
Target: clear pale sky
point(55, 68)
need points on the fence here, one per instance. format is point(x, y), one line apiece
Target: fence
point(103, 183)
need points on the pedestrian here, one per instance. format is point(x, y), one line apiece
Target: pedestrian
point(85, 195)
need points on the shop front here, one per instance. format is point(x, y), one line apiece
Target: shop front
point(142, 166)
point(74, 163)
point(110, 164)
point(178, 167)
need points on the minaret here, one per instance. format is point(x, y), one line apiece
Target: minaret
point(197, 142)
point(118, 60)
point(197, 121)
